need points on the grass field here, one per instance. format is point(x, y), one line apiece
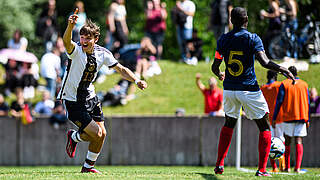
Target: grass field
point(139, 172)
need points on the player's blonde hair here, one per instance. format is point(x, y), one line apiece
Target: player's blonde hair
point(91, 29)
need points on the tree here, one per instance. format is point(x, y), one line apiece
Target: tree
point(18, 14)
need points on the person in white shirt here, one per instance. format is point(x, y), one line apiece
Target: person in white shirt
point(117, 24)
point(50, 69)
point(77, 92)
point(184, 32)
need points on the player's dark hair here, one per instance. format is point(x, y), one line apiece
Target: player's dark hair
point(91, 29)
point(293, 70)
point(272, 75)
point(239, 16)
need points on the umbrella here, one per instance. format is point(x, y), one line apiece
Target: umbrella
point(18, 55)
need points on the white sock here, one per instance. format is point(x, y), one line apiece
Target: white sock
point(76, 136)
point(91, 159)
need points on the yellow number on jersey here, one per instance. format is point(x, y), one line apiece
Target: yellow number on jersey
point(236, 61)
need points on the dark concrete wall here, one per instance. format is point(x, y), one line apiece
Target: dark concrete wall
point(141, 141)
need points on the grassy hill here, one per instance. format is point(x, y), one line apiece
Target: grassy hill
point(176, 87)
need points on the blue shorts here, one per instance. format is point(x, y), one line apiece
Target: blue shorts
point(82, 113)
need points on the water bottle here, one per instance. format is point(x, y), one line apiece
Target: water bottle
point(207, 59)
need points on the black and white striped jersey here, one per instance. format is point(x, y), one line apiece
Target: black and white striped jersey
point(82, 71)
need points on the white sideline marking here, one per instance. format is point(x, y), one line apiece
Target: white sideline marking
point(246, 170)
point(253, 171)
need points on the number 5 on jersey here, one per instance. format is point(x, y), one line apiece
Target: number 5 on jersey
point(235, 61)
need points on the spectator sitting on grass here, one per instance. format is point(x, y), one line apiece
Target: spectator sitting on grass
point(118, 94)
point(145, 54)
point(194, 49)
point(18, 41)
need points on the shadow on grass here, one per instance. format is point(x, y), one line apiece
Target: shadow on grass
point(208, 176)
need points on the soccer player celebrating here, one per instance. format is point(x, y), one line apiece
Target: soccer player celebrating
point(239, 48)
point(77, 92)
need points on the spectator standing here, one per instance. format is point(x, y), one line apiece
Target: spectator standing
point(184, 31)
point(45, 106)
point(219, 17)
point(273, 14)
point(213, 97)
point(314, 101)
point(50, 70)
point(4, 107)
point(291, 27)
point(82, 17)
point(18, 41)
point(238, 49)
point(145, 55)
point(269, 91)
point(118, 24)
point(294, 102)
point(156, 14)
point(47, 27)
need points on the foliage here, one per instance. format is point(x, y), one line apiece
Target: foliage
point(18, 14)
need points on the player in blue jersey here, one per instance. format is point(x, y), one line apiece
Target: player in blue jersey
point(239, 48)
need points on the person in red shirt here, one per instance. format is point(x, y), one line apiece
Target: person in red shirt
point(213, 96)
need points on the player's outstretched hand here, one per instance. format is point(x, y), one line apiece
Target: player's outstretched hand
point(142, 85)
point(198, 75)
point(73, 18)
point(288, 74)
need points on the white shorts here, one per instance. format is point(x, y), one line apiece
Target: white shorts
point(253, 102)
point(297, 129)
point(278, 131)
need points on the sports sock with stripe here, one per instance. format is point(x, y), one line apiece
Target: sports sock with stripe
point(91, 159)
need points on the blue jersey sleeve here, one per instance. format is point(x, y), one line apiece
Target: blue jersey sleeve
point(279, 102)
point(219, 44)
point(257, 44)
